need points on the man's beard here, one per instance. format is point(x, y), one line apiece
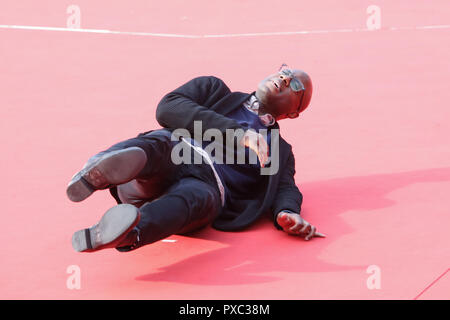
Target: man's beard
point(267, 104)
point(265, 108)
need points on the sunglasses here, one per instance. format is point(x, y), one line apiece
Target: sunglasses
point(295, 84)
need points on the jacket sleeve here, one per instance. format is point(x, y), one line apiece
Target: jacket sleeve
point(288, 197)
point(192, 102)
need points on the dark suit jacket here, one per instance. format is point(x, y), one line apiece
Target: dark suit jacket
point(209, 100)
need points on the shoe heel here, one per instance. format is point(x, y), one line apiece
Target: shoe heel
point(112, 168)
point(79, 190)
point(81, 240)
point(112, 228)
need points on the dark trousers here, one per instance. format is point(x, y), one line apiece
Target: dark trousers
point(173, 199)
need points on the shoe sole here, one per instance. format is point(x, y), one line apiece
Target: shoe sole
point(112, 228)
point(114, 168)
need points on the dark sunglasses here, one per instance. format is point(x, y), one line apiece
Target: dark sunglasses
point(295, 84)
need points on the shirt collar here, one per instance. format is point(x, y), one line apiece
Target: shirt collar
point(252, 104)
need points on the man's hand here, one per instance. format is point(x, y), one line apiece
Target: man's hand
point(256, 142)
point(293, 224)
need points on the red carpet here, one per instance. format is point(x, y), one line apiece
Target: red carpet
point(372, 151)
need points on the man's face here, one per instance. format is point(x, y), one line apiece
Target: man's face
point(281, 98)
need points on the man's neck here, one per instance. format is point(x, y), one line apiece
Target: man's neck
point(256, 107)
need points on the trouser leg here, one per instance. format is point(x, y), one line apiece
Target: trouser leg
point(142, 158)
point(158, 173)
point(187, 205)
point(157, 146)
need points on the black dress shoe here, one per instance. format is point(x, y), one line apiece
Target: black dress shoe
point(110, 231)
point(106, 170)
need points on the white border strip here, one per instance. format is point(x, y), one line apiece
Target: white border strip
point(101, 31)
point(235, 35)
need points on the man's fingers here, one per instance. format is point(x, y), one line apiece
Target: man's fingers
point(288, 224)
point(305, 226)
point(261, 160)
point(311, 233)
point(297, 223)
point(258, 144)
point(263, 153)
point(320, 235)
point(284, 220)
point(297, 226)
point(259, 148)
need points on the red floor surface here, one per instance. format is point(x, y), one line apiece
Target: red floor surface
point(372, 151)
